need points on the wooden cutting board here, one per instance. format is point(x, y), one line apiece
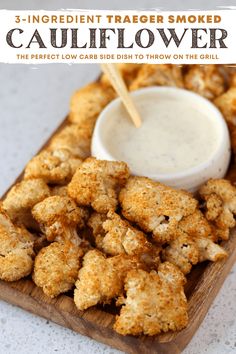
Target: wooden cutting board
point(203, 284)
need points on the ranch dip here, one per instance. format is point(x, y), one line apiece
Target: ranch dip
point(176, 134)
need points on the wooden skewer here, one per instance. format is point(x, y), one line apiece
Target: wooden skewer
point(113, 74)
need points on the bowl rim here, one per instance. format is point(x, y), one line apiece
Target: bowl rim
point(224, 138)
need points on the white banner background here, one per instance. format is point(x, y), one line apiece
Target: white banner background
point(157, 53)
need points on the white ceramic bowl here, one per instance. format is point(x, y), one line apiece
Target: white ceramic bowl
point(191, 179)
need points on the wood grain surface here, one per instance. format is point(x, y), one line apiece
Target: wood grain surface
point(203, 284)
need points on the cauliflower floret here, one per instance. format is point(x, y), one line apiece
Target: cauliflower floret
point(101, 279)
point(195, 243)
point(96, 182)
point(122, 238)
point(206, 80)
point(220, 204)
point(21, 199)
point(182, 252)
point(16, 250)
point(54, 167)
point(56, 267)
point(59, 215)
point(154, 303)
point(155, 207)
point(227, 105)
point(89, 101)
point(95, 223)
point(59, 190)
point(209, 251)
point(74, 137)
point(158, 75)
point(196, 225)
point(128, 72)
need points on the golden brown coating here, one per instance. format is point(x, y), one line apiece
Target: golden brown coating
point(101, 279)
point(196, 225)
point(185, 251)
point(56, 267)
point(16, 250)
point(195, 243)
point(96, 183)
point(122, 238)
point(227, 105)
point(232, 78)
point(21, 199)
point(182, 252)
point(155, 207)
point(206, 80)
point(95, 223)
point(89, 101)
point(220, 204)
point(59, 215)
point(158, 75)
point(209, 251)
point(54, 167)
point(154, 303)
point(74, 137)
point(128, 72)
point(59, 190)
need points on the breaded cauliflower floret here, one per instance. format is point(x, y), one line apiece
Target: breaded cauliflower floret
point(95, 223)
point(21, 199)
point(56, 267)
point(158, 75)
point(96, 182)
point(196, 225)
point(232, 79)
point(227, 105)
point(54, 167)
point(74, 137)
point(195, 243)
point(59, 215)
point(182, 252)
point(16, 250)
point(155, 207)
point(206, 80)
point(220, 204)
point(122, 238)
point(154, 303)
point(209, 251)
point(128, 72)
point(59, 190)
point(89, 101)
point(101, 279)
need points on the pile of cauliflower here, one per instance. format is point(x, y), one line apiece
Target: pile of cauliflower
point(75, 222)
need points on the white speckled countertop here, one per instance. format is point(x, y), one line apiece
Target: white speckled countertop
point(33, 101)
